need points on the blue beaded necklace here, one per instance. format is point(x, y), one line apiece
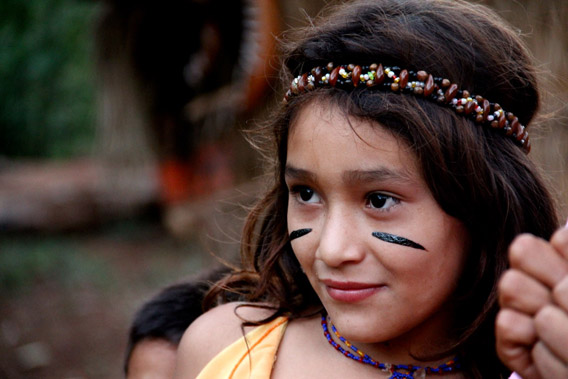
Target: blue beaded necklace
point(393, 369)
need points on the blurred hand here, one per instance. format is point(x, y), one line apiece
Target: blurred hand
point(532, 326)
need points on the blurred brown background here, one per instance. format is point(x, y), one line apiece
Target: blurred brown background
point(122, 162)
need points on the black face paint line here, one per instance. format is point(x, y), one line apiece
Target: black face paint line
point(397, 240)
point(299, 233)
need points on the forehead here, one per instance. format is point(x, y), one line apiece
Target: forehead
point(152, 358)
point(322, 130)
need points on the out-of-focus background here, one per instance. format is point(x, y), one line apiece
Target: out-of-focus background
point(122, 162)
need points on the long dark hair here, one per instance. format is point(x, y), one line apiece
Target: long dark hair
point(475, 174)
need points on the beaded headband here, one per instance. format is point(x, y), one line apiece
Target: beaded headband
point(419, 83)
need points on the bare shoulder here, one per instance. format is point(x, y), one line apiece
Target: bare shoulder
point(210, 333)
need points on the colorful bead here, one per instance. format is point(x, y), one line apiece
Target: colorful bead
point(334, 75)
point(403, 78)
point(429, 86)
point(380, 74)
point(419, 83)
point(356, 75)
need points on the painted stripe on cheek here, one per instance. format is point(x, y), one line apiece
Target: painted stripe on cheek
point(299, 233)
point(391, 238)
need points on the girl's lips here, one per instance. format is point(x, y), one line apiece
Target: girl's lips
point(350, 292)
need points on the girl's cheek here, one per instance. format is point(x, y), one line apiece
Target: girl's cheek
point(304, 245)
point(304, 229)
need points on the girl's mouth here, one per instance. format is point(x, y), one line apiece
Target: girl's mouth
point(350, 292)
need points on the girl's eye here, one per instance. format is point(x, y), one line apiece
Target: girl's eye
point(381, 201)
point(305, 194)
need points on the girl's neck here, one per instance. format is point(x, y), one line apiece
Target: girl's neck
point(424, 346)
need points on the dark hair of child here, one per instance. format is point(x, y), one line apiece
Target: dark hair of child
point(168, 314)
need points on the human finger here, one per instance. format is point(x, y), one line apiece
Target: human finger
point(538, 258)
point(560, 241)
point(551, 325)
point(522, 292)
point(548, 365)
point(516, 336)
point(560, 294)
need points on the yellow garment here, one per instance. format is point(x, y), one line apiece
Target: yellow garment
point(254, 361)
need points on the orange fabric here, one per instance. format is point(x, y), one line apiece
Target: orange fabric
point(251, 358)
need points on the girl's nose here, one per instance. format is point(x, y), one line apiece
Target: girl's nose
point(341, 241)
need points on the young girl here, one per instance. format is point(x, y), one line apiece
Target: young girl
point(401, 176)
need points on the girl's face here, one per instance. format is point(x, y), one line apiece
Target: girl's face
point(382, 256)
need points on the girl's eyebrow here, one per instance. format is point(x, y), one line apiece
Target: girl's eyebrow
point(292, 172)
point(379, 174)
point(353, 176)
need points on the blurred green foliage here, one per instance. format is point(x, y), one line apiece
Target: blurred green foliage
point(47, 95)
point(26, 259)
